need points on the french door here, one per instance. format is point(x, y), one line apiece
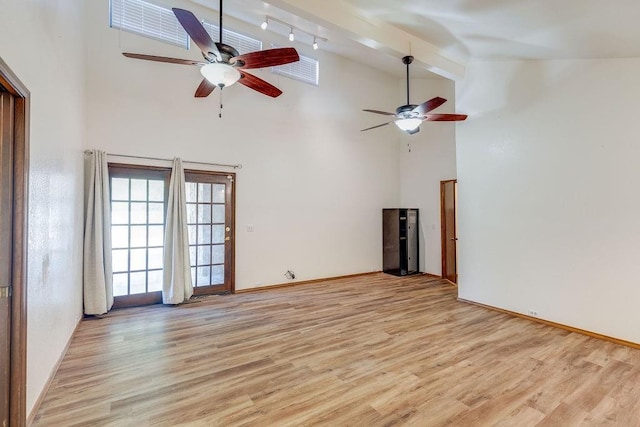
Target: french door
point(210, 219)
point(138, 212)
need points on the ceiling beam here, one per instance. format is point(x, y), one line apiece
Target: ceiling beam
point(373, 32)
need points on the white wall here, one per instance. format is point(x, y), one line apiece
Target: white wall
point(426, 158)
point(42, 43)
point(549, 178)
point(312, 185)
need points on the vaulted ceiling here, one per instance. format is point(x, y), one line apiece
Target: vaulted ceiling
point(444, 35)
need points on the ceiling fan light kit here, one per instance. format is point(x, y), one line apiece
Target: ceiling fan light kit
point(408, 125)
point(221, 75)
point(409, 117)
point(223, 65)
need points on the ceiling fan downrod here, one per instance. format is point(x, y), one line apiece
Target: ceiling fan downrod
point(407, 60)
point(220, 22)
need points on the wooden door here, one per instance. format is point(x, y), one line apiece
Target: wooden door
point(6, 243)
point(448, 201)
point(14, 146)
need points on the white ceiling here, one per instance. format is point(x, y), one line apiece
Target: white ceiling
point(457, 30)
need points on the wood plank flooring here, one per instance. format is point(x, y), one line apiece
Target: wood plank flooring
point(369, 351)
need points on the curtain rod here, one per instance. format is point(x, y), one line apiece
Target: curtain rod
point(236, 166)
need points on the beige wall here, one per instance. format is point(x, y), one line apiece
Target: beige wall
point(548, 182)
point(42, 42)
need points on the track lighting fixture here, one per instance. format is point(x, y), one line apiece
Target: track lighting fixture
point(269, 19)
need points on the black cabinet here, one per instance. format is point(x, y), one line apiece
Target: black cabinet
point(400, 241)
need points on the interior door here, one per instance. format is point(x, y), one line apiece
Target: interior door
point(448, 201)
point(6, 243)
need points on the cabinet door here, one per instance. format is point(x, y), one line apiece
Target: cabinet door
point(390, 240)
point(412, 241)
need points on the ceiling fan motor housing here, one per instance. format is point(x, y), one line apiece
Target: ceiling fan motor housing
point(226, 52)
point(406, 111)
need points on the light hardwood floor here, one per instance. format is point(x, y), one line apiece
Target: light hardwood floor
point(370, 351)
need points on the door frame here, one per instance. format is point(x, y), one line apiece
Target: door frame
point(18, 348)
point(443, 229)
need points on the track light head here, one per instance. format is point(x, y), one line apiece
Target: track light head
point(265, 24)
point(291, 36)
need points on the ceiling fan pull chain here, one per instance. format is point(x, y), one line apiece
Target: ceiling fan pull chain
point(220, 110)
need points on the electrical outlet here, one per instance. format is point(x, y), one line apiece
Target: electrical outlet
point(250, 228)
point(533, 313)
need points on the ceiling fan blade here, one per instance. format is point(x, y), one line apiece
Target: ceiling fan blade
point(373, 127)
point(380, 112)
point(163, 59)
point(196, 31)
point(429, 105)
point(205, 89)
point(266, 58)
point(257, 84)
point(445, 117)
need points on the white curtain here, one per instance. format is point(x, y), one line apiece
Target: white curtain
point(177, 286)
point(97, 277)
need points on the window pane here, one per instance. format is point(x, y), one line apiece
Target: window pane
point(156, 235)
point(119, 236)
point(204, 234)
point(204, 255)
point(155, 258)
point(217, 274)
point(139, 189)
point(203, 276)
point(120, 260)
point(156, 213)
point(192, 255)
point(218, 214)
point(155, 280)
point(218, 234)
point(192, 192)
point(138, 283)
point(204, 192)
point(138, 259)
point(193, 234)
point(217, 254)
point(192, 213)
point(119, 189)
point(119, 213)
point(218, 193)
point(204, 214)
point(138, 236)
point(156, 190)
point(193, 276)
point(138, 213)
point(120, 284)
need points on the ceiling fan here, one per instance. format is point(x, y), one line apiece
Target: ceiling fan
point(409, 117)
point(223, 65)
